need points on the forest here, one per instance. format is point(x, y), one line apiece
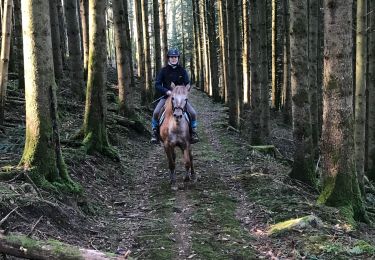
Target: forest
point(284, 94)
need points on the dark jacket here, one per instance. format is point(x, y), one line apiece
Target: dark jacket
point(167, 75)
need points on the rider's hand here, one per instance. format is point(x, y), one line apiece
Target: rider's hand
point(169, 92)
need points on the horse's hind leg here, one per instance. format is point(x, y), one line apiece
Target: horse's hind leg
point(188, 164)
point(172, 165)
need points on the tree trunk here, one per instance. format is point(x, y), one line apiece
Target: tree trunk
point(232, 83)
point(4, 56)
point(360, 88)
point(42, 154)
point(55, 31)
point(19, 43)
point(205, 84)
point(63, 33)
point(275, 99)
point(157, 46)
point(287, 101)
point(95, 130)
point(147, 57)
point(19, 246)
point(340, 184)
point(223, 51)
point(262, 7)
point(164, 30)
point(239, 39)
point(313, 74)
point(140, 52)
point(371, 95)
point(84, 13)
point(213, 51)
point(197, 56)
point(129, 52)
point(303, 166)
point(200, 74)
point(256, 109)
point(122, 58)
point(74, 43)
point(245, 52)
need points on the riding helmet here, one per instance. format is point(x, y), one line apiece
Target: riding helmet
point(173, 53)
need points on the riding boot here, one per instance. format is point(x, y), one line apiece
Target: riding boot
point(154, 136)
point(194, 135)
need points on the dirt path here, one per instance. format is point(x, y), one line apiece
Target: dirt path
point(197, 222)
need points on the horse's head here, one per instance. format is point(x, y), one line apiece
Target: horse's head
point(179, 99)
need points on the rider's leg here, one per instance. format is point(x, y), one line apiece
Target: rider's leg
point(155, 121)
point(193, 123)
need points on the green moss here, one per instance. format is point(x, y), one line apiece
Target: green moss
point(154, 240)
point(332, 83)
point(362, 247)
point(293, 223)
point(328, 186)
point(220, 233)
point(98, 142)
point(57, 247)
point(332, 248)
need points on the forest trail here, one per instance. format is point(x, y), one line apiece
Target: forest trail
point(129, 208)
point(208, 220)
point(227, 213)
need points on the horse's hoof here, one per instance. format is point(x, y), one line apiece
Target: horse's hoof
point(187, 178)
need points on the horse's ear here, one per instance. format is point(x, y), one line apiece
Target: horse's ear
point(173, 85)
point(188, 86)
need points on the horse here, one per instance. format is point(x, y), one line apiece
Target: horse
point(175, 132)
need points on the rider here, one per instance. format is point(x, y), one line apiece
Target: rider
point(175, 73)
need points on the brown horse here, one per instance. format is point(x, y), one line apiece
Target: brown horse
point(175, 132)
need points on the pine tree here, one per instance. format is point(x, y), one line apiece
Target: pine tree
point(42, 155)
point(303, 165)
point(94, 126)
point(340, 183)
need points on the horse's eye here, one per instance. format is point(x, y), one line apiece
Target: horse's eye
point(172, 98)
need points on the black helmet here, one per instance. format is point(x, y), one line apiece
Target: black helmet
point(173, 53)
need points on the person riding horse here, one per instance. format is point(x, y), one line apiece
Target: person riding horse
point(175, 73)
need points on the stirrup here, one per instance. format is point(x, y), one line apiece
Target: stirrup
point(194, 137)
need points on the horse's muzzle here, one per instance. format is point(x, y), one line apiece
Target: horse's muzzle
point(177, 117)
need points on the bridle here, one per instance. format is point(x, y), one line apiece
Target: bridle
point(183, 108)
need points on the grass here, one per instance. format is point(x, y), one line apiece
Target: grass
point(219, 234)
point(154, 241)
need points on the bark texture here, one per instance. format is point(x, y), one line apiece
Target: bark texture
point(340, 183)
point(74, 43)
point(42, 156)
point(4, 56)
point(95, 130)
point(303, 166)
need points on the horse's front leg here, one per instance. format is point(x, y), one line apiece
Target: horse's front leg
point(172, 165)
point(188, 163)
point(192, 171)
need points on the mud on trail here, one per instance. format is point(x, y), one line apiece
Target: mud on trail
point(129, 208)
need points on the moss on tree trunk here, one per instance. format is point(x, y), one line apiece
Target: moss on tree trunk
point(42, 156)
point(95, 131)
point(340, 182)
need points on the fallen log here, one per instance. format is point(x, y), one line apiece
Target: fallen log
point(22, 246)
